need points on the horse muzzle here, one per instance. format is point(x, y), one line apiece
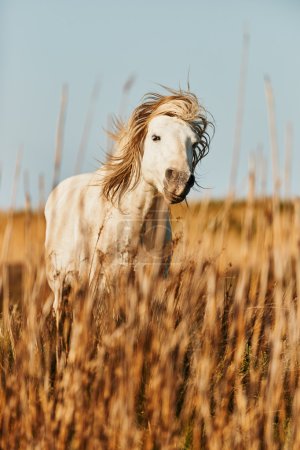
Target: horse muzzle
point(177, 185)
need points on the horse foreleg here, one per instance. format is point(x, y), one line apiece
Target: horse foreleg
point(63, 316)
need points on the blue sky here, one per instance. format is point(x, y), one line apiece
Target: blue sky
point(45, 44)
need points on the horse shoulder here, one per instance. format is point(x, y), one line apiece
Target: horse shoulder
point(73, 214)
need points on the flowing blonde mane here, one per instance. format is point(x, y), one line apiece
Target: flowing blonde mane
point(123, 169)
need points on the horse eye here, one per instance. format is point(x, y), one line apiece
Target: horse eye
point(155, 137)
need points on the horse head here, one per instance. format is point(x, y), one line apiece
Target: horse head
point(163, 141)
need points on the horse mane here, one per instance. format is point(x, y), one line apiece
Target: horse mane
point(122, 170)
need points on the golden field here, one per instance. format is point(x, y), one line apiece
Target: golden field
point(207, 357)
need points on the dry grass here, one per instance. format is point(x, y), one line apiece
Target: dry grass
point(205, 358)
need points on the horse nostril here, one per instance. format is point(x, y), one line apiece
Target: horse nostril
point(170, 173)
point(191, 180)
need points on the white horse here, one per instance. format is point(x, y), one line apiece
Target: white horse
point(95, 222)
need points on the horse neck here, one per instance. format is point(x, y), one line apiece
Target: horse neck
point(144, 203)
